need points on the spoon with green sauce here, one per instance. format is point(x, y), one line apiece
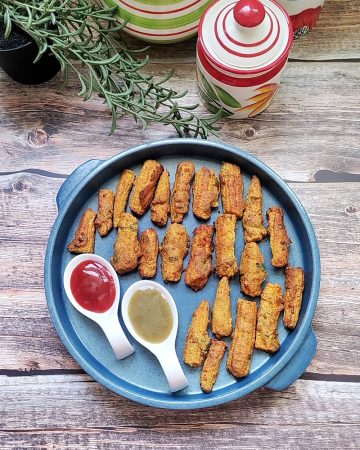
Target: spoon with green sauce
point(150, 315)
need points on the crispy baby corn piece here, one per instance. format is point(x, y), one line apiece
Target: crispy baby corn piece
point(180, 197)
point(226, 263)
point(104, 219)
point(127, 247)
point(243, 339)
point(254, 230)
point(160, 206)
point(145, 186)
point(271, 306)
point(84, 240)
point(232, 189)
point(279, 240)
point(221, 322)
point(197, 340)
point(295, 283)
point(174, 248)
point(206, 193)
point(200, 264)
point(252, 270)
point(124, 186)
point(210, 370)
point(149, 245)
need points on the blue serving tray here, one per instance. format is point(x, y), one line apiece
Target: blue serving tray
point(139, 377)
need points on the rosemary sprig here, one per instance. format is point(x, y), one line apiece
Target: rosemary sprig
point(85, 31)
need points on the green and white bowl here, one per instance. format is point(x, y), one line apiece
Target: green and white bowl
point(161, 21)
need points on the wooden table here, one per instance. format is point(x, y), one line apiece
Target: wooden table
point(310, 135)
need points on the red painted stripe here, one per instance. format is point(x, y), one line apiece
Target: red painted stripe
point(143, 33)
point(249, 55)
point(160, 12)
point(243, 44)
point(237, 82)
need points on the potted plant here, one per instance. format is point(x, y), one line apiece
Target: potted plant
point(84, 37)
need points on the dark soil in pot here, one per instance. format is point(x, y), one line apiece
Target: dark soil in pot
point(17, 54)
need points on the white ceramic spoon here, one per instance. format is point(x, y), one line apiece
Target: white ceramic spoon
point(165, 350)
point(108, 320)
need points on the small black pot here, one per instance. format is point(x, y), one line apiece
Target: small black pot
point(17, 54)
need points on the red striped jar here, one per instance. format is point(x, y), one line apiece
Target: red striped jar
point(303, 14)
point(242, 50)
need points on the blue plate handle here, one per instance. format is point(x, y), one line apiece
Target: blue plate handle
point(74, 179)
point(297, 365)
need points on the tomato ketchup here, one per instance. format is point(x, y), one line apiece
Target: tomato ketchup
point(93, 286)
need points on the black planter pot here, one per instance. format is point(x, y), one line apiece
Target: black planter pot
point(17, 54)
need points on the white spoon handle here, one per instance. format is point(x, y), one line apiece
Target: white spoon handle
point(173, 371)
point(116, 336)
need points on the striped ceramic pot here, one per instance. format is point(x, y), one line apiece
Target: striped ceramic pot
point(303, 13)
point(242, 50)
point(161, 21)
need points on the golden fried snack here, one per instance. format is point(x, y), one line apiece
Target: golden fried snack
point(226, 263)
point(295, 283)
point(124, 186)
point(271, 306)
point(127, 247)
point(180, 197)
point(232, 190)
point(243, 339)
point(254, 230)
point(252, 270)
point(84, 240)
point(104, 219)
point(145, 186)
point(197, 340)
point(149, 245)
point(206, 193)
point(174, 248)
point(221, 322)
point(279, 240)
point(200, 264)
point(211, 368)
point(160, 206)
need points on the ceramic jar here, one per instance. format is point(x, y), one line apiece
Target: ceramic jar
point(161, 21)
point(242, 50)
point(303, 13)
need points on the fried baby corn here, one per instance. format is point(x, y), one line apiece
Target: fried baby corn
point(254, 230)
point(243, 339)
point(160, 206)
point(174, 248)
point(226, 263)
point(221, 322)
point(197, 340)
point(200, 264)
point(104, 219)
point(252, 270)
point(124, 186)
point(271, 306)
point(206, 193)
point(279, 240)
point(149, 245)
point(180, 197)
point(145, 186)
point(211, 368)
point(295, 283)
point(232, 190)
point(84, 240)
point(127, 247)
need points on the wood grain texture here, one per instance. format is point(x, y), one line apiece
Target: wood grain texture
point(74, 412)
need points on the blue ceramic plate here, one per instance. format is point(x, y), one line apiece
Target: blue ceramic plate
point(139, 377)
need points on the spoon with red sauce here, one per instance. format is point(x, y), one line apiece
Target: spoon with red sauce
point(93, 288)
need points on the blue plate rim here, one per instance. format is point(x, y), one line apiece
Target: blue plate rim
point(208, 401)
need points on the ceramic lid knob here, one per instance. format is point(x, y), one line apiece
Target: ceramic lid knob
point(249, 13)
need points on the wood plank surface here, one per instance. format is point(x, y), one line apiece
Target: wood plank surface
point(74, 412)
